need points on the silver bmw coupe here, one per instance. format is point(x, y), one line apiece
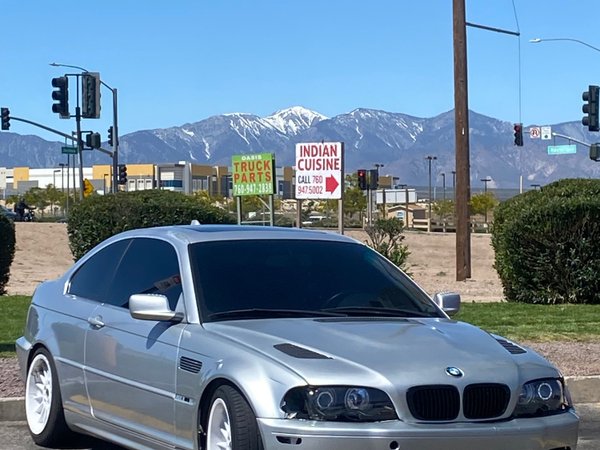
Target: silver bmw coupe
point(248, 338)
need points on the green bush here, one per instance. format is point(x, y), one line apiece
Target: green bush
point(7, 250)
point(545, 243)
point(99, 217)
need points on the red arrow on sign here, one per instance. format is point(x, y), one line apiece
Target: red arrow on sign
point(331, 184)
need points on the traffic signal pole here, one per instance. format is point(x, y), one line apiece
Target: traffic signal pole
point(115, 153)
point(79, 149)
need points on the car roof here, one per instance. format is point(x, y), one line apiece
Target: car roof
point(205, 233)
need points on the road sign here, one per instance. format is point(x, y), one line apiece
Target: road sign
point(69, 150)
point(546, 133)
point(562, 149)
point(253, 174)
point(319, 173)
point(535, 132)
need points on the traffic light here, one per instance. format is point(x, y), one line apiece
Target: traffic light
point(93, 140)
point(362, 179)
point(61, 96)
point(595, 152)
point(111, 137)
point(373, 179)
point(90, 95)
point(592, 119)
point(518, 134)
point(5, 113)
point(122, 174)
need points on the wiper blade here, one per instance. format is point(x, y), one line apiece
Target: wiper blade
point(377, 311)
point(260, 313)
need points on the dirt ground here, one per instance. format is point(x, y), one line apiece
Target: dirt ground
point(43, 254)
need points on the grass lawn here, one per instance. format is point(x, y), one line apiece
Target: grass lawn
point(516, 321)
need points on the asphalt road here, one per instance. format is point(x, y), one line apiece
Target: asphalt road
point(15, 436)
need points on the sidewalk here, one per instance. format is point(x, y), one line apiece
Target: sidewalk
point(583, 390)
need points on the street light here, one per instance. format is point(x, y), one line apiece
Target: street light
point(485, 181)
point(377, 166)
point(430, 158)
point(538, 40)
point(443, 185)
point(54, 172)
point(115, 154)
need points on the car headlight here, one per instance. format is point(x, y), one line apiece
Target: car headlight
point(542, 398)
point(338, 403)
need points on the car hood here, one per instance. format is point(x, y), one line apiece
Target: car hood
point(386, 351)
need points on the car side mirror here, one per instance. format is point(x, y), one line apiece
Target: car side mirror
point(449, 302)
point(152, 307)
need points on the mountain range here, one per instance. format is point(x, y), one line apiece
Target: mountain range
point(399, 142)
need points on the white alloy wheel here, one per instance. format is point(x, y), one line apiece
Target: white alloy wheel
point(38, 393)
point(218, 436)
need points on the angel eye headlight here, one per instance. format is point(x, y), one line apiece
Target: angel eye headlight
point(357, 398)
point(541, 398)
point(338, 403)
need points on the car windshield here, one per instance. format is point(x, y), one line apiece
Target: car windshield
point(241, 279)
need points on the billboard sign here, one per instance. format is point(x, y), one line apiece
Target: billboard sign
point(253, 174)
point(319, 170)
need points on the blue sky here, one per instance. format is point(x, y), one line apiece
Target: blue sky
point(185, 60)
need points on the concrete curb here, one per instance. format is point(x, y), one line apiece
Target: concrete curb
point(583, 390)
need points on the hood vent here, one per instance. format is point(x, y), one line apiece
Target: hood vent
point(189, 364)
point(299, 352)
point(511, 347)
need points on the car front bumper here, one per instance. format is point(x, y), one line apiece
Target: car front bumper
point(545, 433)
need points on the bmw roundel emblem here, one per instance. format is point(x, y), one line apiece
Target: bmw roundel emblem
point(454, 372)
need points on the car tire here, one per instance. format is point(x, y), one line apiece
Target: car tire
point(231, 423)
point(43, 403)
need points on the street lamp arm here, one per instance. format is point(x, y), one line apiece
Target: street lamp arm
point(79, 68)
point(537, 40)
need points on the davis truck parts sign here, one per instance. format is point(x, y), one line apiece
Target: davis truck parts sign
point(319, 170)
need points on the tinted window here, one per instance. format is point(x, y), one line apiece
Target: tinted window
point(149, 266)
point(95, 275)
point(299, 274)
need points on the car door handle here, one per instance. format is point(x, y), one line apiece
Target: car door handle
point(96, 322)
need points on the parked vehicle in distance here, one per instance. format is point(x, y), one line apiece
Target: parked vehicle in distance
point(8, 212)
point(247, 338)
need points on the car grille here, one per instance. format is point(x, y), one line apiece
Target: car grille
point(442, 402)
point(485, 401)
point(433, 402)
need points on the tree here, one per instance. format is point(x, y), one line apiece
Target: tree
point(483, 203)
point(444, 209)
point(386, 237)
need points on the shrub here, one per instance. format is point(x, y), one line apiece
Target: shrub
point(545, 244)
point(7, 250)
point(99, 217)
point(386, 237)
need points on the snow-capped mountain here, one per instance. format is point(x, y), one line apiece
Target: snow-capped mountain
point(398, 141)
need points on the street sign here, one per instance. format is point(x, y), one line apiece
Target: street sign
point(546, 133)
point(88, 187)
point(69, 150)
point(319, 173)
point(562, 149)
point(535, 132)
point(253, 174)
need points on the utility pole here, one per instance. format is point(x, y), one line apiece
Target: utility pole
point(461, 118)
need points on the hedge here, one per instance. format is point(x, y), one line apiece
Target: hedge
point(545, 243)
point(7, 250)
point(99, 217)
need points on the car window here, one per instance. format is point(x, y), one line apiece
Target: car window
point(149, 266)
point(299, 275)
point(93, 278)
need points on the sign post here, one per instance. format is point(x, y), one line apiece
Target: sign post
point(254, 175)
point(320, 173)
